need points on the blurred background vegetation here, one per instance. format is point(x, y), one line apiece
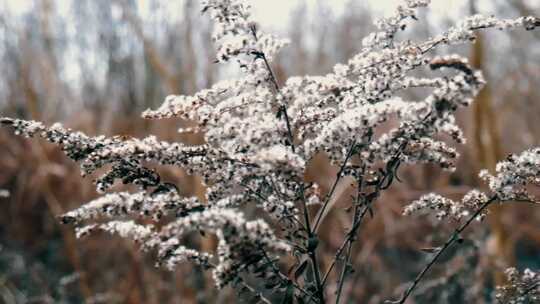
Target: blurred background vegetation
point(96, 64)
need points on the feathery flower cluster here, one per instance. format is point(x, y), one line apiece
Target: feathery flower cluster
point(447, 208)
point(239, 240)
point(522, 288)
point(235, 32)
point(76, 145)
point(510, 182)
point(259, 136)
point(514, 175)
point(123, 204)
point(125, 229)
point(236, 36)
point(465, 30)
point(391, 25)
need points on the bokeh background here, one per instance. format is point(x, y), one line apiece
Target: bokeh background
point(94, 65)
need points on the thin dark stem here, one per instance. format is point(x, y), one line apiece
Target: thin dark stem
point(281, 276)
point(339, 252)
point(453, 238)
point(311, 232)
point(312, 251)
point(252, 290)
point(346, 263)
point(344, 272)
point(351, 235)
point(248, 287)
point(315, 267)
point(288, 123)
point(291, 217)
point(283, 111)
point(273, 78)
point(306, 215)
point(334, 186)
point(283, 108)
point(358, 217)
point(531, 288)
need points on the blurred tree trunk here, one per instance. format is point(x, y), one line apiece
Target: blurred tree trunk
point(156, 60)
point(488, 152)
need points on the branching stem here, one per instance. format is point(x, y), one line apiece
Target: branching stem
point(451, 240)
point(334, 186)
point(283, 108)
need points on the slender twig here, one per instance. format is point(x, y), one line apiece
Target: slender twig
point(531, 288)
point(276, 190)
point(350, 239)
point(339, 175)
point(315, 267)
point(273, 78)
point(358, 217)
point(292, 217)
point(283, 111)
point(344, 244)
point(453, 238)
point(355, 223)
point(311, 232)
point(283, 108)
point(252, 290)
point(281, 276)
point(245, 285)
point(312, 237)
point(351, 235)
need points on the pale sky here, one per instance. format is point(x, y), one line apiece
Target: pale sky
point(268, 10)
point(273, 11)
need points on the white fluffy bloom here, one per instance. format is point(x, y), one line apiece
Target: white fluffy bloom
point(128, 229)
point(279, 156)
point(120, 204)
point(514, 174)
point(171, 253)
point(447, 208)
point(237, 238)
